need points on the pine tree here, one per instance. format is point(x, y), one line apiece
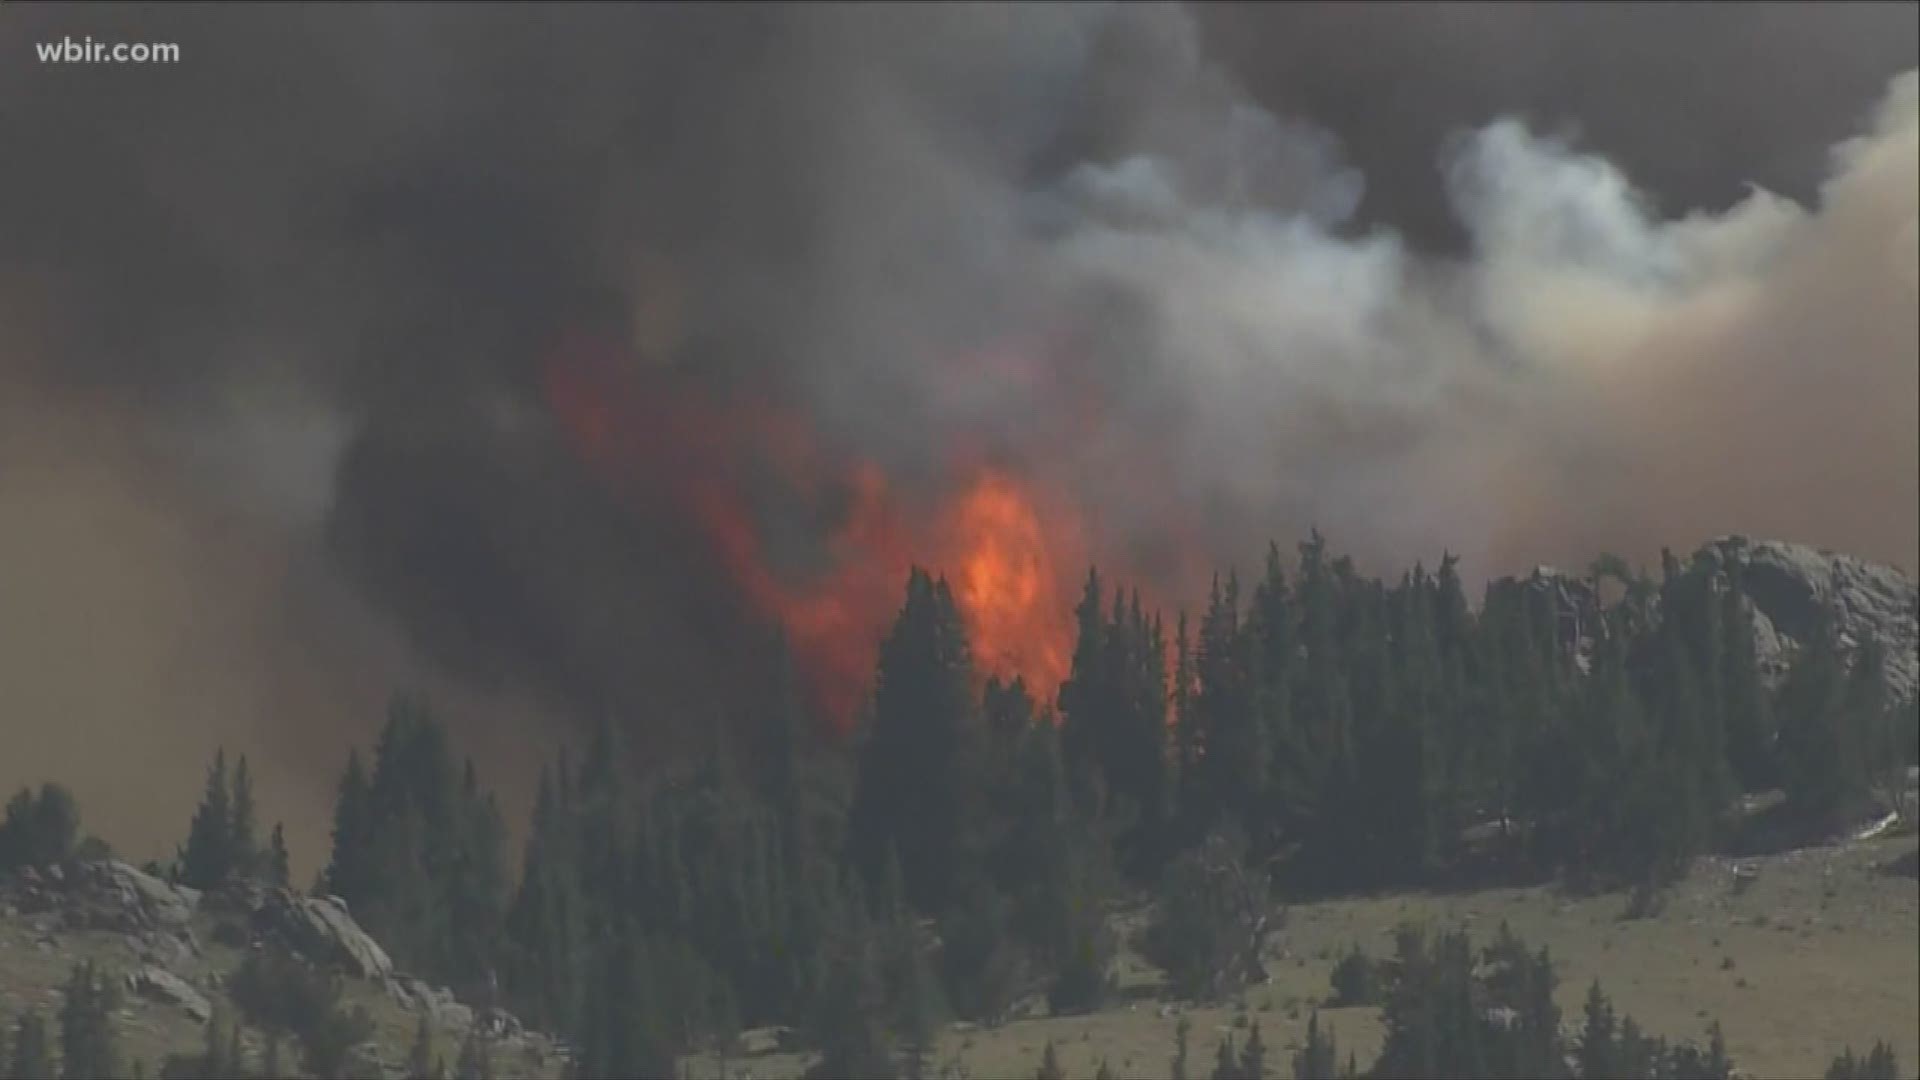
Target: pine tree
point(39, 830)
point(1814, 730)
point(847, 1028)
point(783, 736)
point(910, 787)
point(1324, 766)
point(1049, 1065)
point(207, 859)
point(1086, 696)
point(1431, 1030)
point(1400, 711)
point(243, 843)
point(1136, 755)
point(1253, 1056)
point(417, 850)
point(476, 1060)
point(544, 924)
point(1278, 780)
point(606, 1028)
point(912, 992)
point(1316, 1058)
point(1877, 1064)
point(1114, 718)
point(1211, 920)
point(473, 883)
point(350, 871)
point(1070, 911)
point(983, 967)
point(1532, 1044)
point(1666, 768)
point(32, 1052)
point(1637, 1054)
point(1749, 710)
point(1235, 755)
point(88, 1047)
point(278, 869)
point(1874, 761)
point(1598, 1053)
point(215, 1058)
point(420, 1054)
point(1182, 1032)
point(1226, 1063)
point(1719, 1064)
point(1188, 738)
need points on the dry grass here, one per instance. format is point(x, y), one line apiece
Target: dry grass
point(1824, 951)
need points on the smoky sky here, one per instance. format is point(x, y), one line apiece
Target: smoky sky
point(504, 163)
point(1519, 281)
point(1694, 101)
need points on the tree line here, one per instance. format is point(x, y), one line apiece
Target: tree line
point(1319, 731)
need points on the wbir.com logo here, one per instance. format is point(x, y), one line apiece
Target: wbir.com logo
point(88, 51)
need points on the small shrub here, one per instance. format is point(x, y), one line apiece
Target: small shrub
point(284, 996)
point(1877, 1064)
point(1356, 980)
point(982, 966)
point(1202, 934)
point(39, 830)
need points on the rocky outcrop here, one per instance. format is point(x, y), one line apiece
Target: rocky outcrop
point(104, 895)
point(437, 1002)
point(115, 906)
point(1792, 585)
point(319, 929)
point(1575, 607)
point(164, 986)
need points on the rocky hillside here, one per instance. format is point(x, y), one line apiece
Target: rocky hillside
point(174, 951)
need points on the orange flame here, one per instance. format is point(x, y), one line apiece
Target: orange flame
point(1006, 582)
point(1001, 548)
point(832, 623)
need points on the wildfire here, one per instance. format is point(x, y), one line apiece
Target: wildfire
point(1003, 572)
point(1001, 547)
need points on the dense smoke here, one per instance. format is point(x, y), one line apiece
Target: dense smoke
point(409, 345)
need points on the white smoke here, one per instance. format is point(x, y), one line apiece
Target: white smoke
point(1590, 377)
